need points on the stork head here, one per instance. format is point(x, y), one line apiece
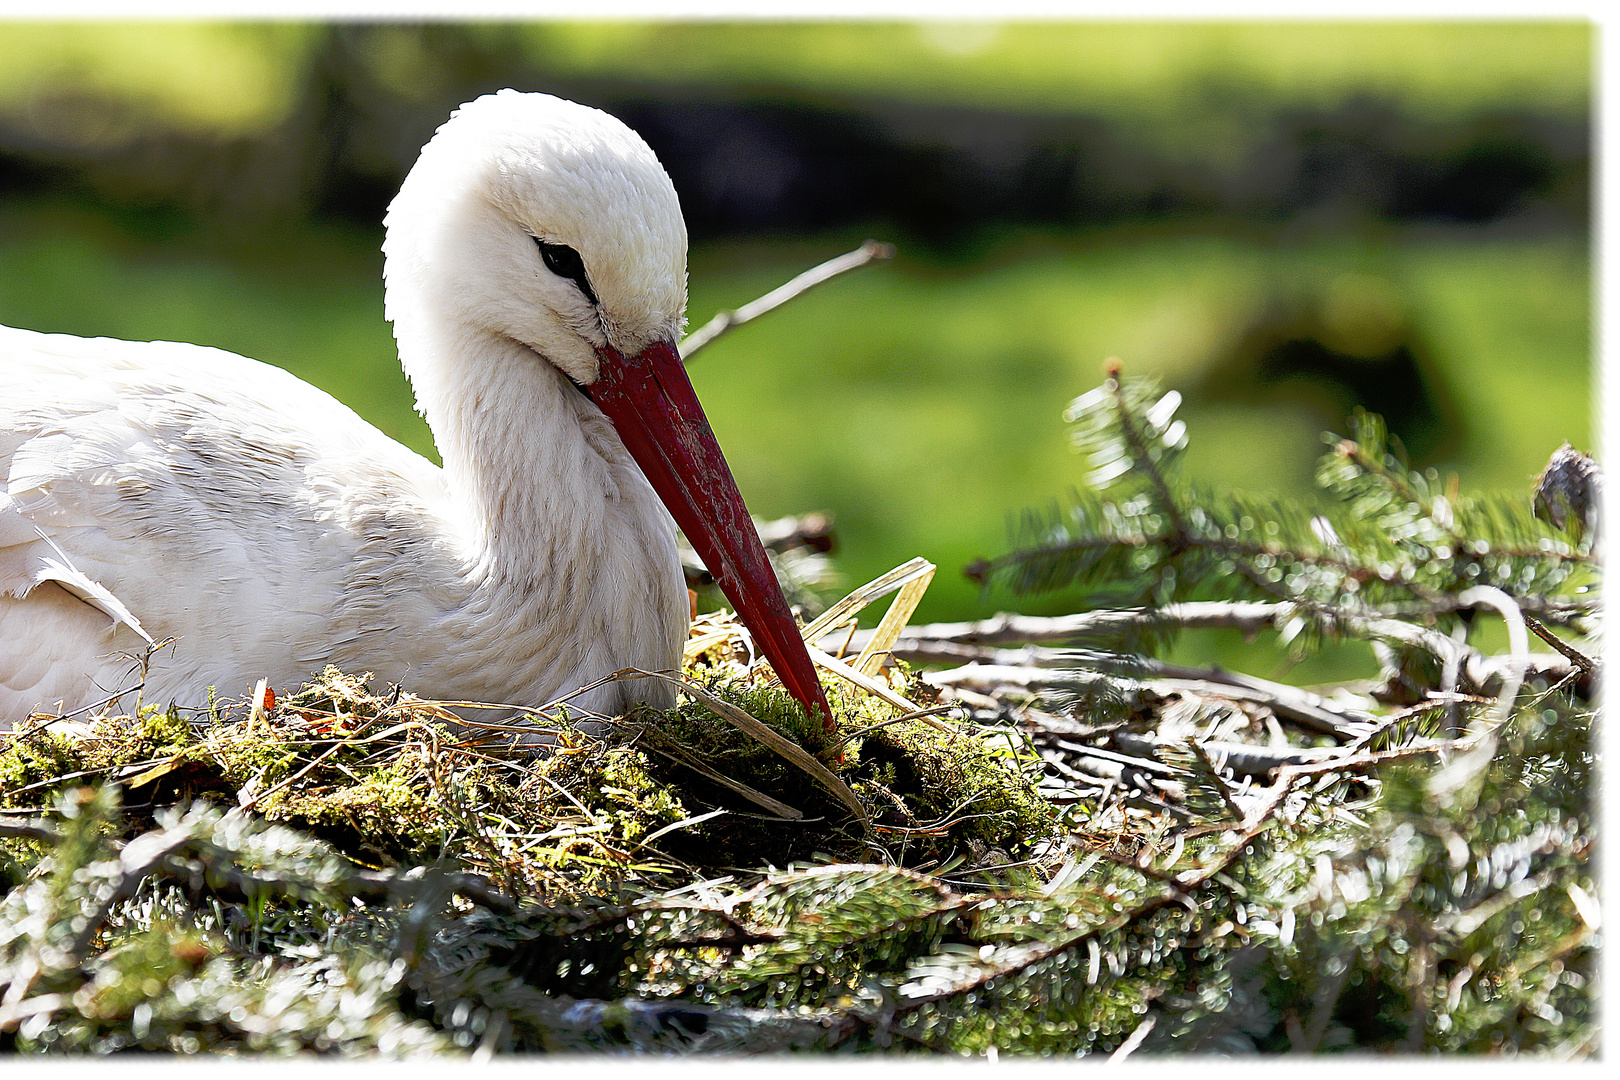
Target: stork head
point(555, 221)
point(564, 234)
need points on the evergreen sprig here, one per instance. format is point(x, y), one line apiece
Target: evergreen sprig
point(1391, 542)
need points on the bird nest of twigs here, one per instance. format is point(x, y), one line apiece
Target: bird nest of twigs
point(558, 801)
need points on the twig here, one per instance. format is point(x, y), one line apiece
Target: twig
point(246, 805)
point(34, 829)
point(875, 687)
point(870, 251)
point(1094, 768)
point(1009, 627)
point(1123, 760)
point(948, 642)
point(1562, 647)
point(1302, 707)
point(1291, 703)
point(43, 724)
point(776, 806)
point(1375, 757)
point(686, 822)
point(1244, 758)
point(1130, 1045)
point(937, 710)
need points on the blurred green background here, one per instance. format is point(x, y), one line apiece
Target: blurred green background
point(1280, 220)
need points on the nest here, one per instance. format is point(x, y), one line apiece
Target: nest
point(979, 859)
point(734, 776)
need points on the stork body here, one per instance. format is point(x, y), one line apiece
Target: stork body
point(536, 281)
point(269, 530)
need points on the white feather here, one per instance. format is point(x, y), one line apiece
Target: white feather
point(193, 494)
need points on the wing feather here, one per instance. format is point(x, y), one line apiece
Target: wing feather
point(186, 492)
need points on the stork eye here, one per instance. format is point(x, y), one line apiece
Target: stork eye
point(565, 262)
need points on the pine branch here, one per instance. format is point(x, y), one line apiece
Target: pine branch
point(1140, 429)
point(1393, 548)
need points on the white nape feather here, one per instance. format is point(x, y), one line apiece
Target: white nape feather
point(270, 531)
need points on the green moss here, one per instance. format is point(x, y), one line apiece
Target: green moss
point(953, 785)
point(696, 725)
point(617, 785)
point(647, 803)
point(588, 805)
point(389, 813)
point(342, 695)
point(928, 791)
point(32, 759)
point(24, 761)
point(166, 729)
point(150, 734)
point(263, 761)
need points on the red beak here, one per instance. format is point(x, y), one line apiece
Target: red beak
point(652, 404)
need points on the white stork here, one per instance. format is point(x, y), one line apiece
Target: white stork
point(536, 279)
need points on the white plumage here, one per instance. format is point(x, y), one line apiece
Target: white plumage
point(269, 530)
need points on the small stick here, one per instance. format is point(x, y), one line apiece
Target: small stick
point(870, 251)
point(43, 724)
point(1569, 652)
point(30, 829)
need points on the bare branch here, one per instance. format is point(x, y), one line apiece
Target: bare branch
point(1302, 707)
point(1563, 648)
point(870, 251)
point(30, 829)
point(967, 643)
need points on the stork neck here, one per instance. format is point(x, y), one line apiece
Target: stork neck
point(567, 561)
point(534, 470)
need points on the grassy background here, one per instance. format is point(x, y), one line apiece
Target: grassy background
point(241, 77)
